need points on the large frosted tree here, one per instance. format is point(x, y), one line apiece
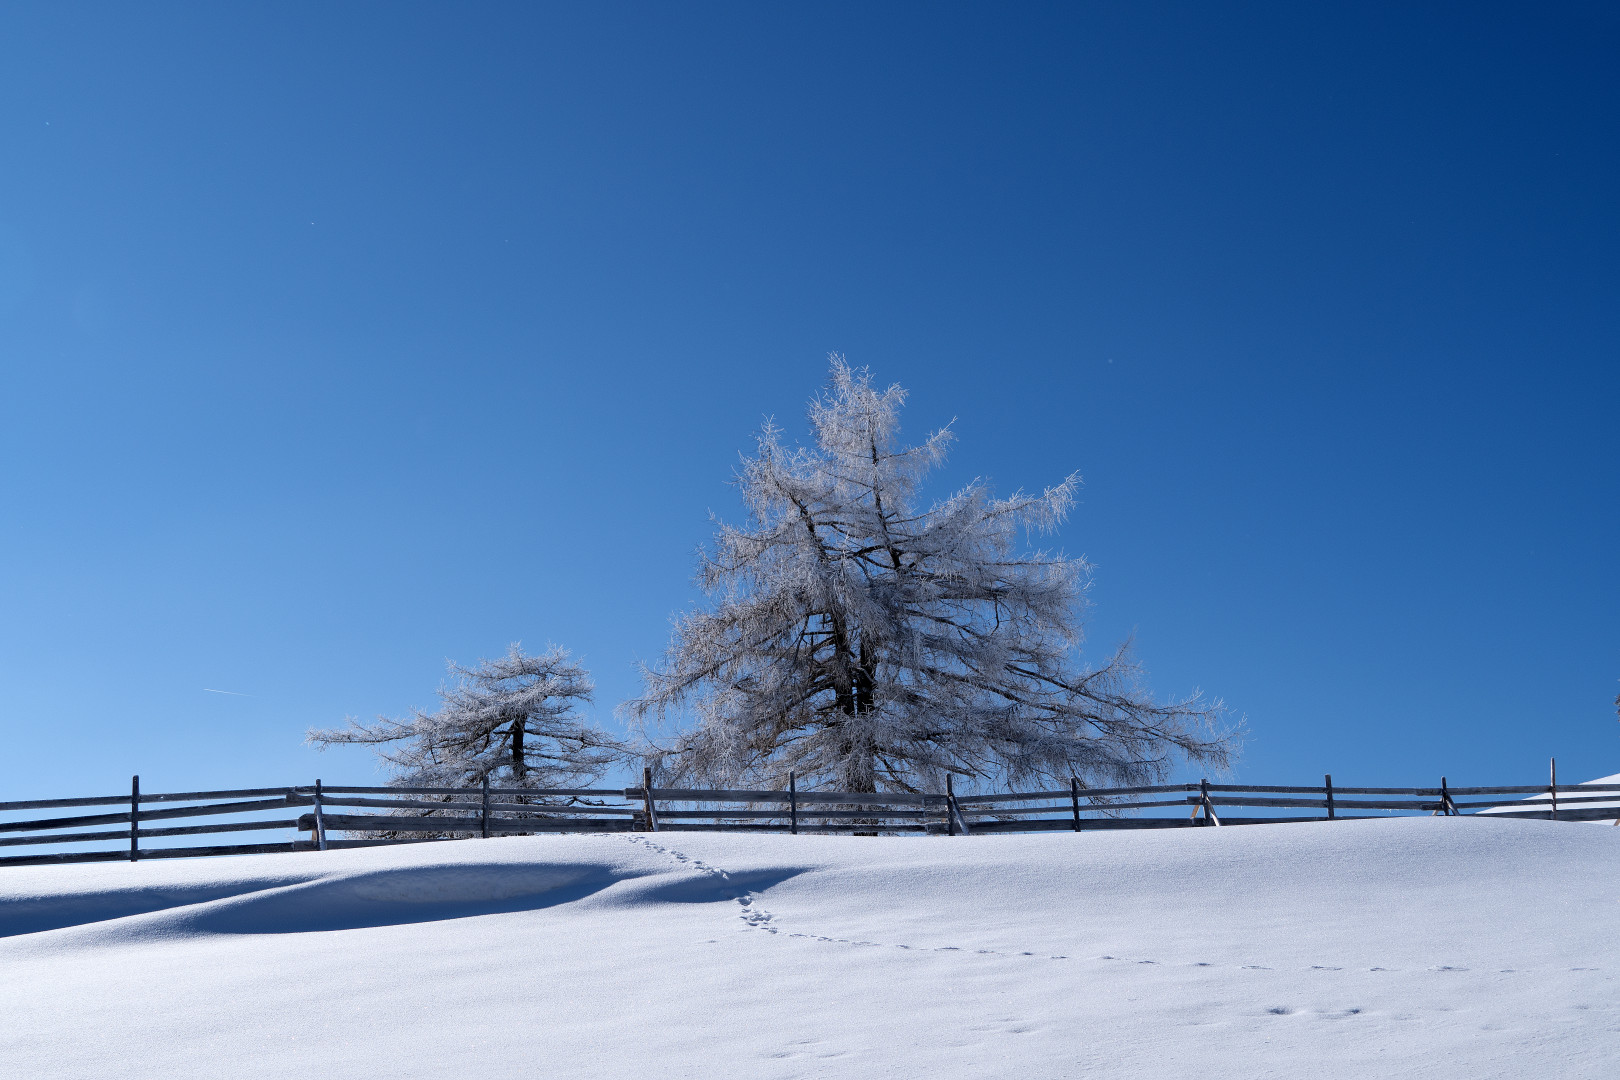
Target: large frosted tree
point(512, 720)
point(869, 641)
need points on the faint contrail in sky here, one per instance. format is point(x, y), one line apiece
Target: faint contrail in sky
point(233, 693)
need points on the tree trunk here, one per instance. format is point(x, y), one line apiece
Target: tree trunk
point(520, 767)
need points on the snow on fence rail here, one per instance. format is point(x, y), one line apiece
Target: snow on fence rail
point(393, 815)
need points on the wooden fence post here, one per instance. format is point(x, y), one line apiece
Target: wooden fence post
point(1328, 781)
point(953, 813)
point(320, 822)
point(647, 799)
point(483, 817)
point(1447, 807)
point(793, 803)
point(1074, 800)
point(134, 818)
point(1554, 789)
point(1210, 817)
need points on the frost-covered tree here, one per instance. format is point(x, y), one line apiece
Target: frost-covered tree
point(511, 720)
point(870, 642)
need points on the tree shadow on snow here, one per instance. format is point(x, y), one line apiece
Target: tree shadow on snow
point(399, 897)
point(713, 889)
point(392, 897)
point(34, 916)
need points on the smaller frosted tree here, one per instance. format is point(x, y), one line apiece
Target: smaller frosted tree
point(511, 720)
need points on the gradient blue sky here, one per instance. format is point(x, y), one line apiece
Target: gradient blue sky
point(339, 340)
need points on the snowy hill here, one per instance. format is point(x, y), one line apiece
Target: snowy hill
point(1386, 948)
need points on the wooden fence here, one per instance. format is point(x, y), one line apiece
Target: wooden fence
point(344, 817)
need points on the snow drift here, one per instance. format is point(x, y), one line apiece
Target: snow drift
point(1404, 947)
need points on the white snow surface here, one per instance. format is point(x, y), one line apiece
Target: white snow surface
point(1416, 947)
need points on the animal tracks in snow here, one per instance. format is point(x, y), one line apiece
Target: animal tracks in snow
point(756, 917)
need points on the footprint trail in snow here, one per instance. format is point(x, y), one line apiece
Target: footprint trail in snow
point(758, 918)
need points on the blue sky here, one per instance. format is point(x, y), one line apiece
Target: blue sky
point(337, 341)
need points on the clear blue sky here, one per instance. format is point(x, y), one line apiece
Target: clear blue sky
point(339, 340)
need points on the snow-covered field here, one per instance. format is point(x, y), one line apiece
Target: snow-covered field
point(1443, 947)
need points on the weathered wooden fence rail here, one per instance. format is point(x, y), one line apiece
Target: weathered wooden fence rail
point(392, 815)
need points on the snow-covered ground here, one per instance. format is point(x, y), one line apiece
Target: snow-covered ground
point(1434, 947)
